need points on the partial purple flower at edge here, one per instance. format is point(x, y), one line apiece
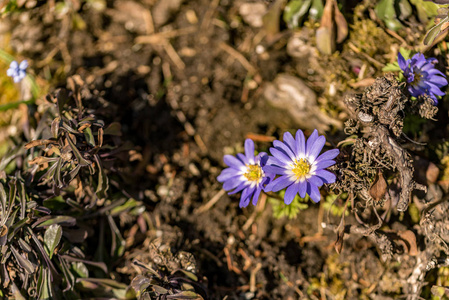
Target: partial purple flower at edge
point(300, 168)
point(422, 77)
point(16, 71)
point(245, 173)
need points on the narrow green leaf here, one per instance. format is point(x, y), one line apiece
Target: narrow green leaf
point(80, 269)
point(105, 282)
point(23, 262)
point(50, 220)
point(118, 243)
point(89, 136)
point(435, 31)
point(103, 181)
point(79, 157)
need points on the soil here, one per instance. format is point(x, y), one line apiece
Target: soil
point(186, 79)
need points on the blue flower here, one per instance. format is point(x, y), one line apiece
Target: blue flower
point(300, 168)
point(245, 173)
point(16, 71)
point(422, 77)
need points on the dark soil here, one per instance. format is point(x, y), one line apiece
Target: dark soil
point(186, 84)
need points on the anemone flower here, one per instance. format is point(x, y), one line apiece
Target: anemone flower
point(246, 174)
point(422, 77)
point(301, 168)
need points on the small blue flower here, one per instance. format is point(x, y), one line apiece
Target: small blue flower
point(422, 77)
point(16, 71)
point(245, 173)
point(300, 168)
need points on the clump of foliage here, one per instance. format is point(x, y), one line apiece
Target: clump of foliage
point(170, 277)
point(53, 195)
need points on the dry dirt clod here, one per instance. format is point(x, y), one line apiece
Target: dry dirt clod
point(252, 13)
point(299, 101)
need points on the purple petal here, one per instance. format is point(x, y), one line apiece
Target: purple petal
point(324, 164)
point(276, 162)
point(401, 62)
point(246, 197)
point(274, 170)
point(278, 184)
point(256, 196)
point(243, 159)
point(434, 89)
point(285, 148)
point(241, 186)
point(290, 142)
point(232, 161)
point(314, 150)
point(300, 143)
point(281, 156)
point(262, 157)
point(330, 154)
point(23, 65)
point(316, 180)
point(290, 193)
point(14, 65)
point(233, 182)
point(302, 188)
point(438, 80)
point(326, 176)
point(313, 192)
point(249, 150)
point(312, 138)
point(227, 173)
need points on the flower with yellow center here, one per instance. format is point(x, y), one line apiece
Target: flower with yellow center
point(245, 174)
point(300, 166)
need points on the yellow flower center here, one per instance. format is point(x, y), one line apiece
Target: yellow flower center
point(301, 168)
point(254, 172)
point(416, 78)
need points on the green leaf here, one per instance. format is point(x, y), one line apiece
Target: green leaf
point(23, 262)
point(386, 12)
point(316, 9)
point(50, 220)
point(391, 67)
point(425, 9)
point(130, 204)
point(435, 31)
point(295, 11)
point(80, 269)
point(185, 295)
point(406, 53)
point(52, 237)
point(105, 282)
point(405, 9)
point(42, 285)
point(118, 243)
point(114, 129)
point(280, 209)
point(89, 136)
point(79, 157)
point(103, 181)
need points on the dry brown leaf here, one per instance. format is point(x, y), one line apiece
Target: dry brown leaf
point(36, 143)
point(379, 187)
point(409, 240)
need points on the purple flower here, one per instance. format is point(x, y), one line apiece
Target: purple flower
point(300, 168)
point(422, 77)
point(245, 173)
point(16, 71)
